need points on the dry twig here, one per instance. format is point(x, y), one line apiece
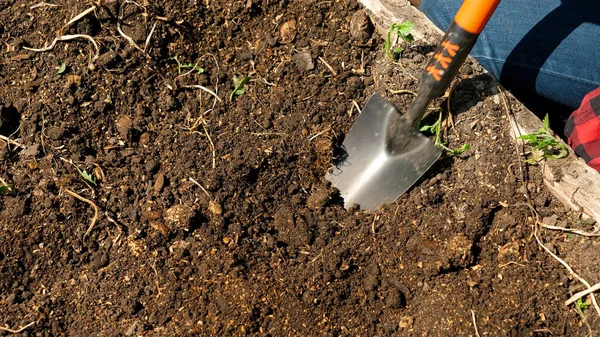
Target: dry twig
point(91, 203)
point(18, 330)
point(328, 66)
point(583, 293)
point(202, 188)
point(120, 19)
point(10, 141)
point(68, 38)
point(79, 16)
point(196, 86)
point(569, 230)
point(475, 323)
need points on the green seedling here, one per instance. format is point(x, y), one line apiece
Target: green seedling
point(193, 66)
point(62, 69)
point(581, 305)
point(402, 30)
point(239, 86)
point(545, 143)
point(5, 188)
point(436, 129)
point(88, 177)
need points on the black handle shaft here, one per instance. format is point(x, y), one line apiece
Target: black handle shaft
point(441, 69)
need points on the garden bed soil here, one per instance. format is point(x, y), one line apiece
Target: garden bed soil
point(213, 217)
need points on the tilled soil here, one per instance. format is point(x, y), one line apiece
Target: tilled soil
point(212, 216)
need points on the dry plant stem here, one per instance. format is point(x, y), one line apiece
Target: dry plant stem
point(150, 36)
point(212, 145)
point(43, 4)
point(328, 66)
point(475, 323)
point(357, 107)
point(79, 16)
point(403, 92)
point(571, 271)
point(535, 213)
point(125, 36)
point(10, 141)
point(202, 188)
point(18, 330)
point(68, 38)
point(582, 293)
point(93, 222)
point(196, 86)
point(569, 230)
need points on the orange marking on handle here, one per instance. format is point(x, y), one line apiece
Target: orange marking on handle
point(451, 48)
point(473, 15)
point(435, 72)
point(444, 61)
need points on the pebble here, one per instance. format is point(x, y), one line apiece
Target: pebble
point(159, 183)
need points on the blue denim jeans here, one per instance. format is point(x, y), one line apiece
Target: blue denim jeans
point(541, 50)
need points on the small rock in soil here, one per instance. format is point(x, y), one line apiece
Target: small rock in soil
point(287, 31)
point(124, 126)
point(215, 208)
point(304, 60)
point(406, 322)
point(179, 216)
point(132, 328)
point(31, 151)
point(11, 299)
point(159, 183)
point(151, 212)
point(151, 166)
point(361, 27)
point(319, 198)
point(550, 220)
point(395, 299)
point(271, 40)
point(99, 260)
point(106, 58)
point(55, 132)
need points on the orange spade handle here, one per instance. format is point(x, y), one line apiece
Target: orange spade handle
point(473, 15)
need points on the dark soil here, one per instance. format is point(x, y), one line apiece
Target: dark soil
point(264, 245)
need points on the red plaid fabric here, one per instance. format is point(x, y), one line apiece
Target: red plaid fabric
point(583, 129)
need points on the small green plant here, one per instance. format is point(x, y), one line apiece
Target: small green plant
point(193, 66)
point(581, 305)
point(403, 30)
point(62, 69)
point(88, 177)
point(544, 142)
point(5, 188)
point(436, 129)
point(239, 86)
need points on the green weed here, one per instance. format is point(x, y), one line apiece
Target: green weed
point(239, 86)
point(436, 129)
point(544, 142)
point(88, 177)
point(5, 188)
point(581, 305)
point(193, 66)
point(403, 30)
point(62, 69)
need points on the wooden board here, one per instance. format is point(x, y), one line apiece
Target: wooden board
point(569, 179)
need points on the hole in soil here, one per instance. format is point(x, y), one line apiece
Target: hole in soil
point(9, 120)
point(252, 176)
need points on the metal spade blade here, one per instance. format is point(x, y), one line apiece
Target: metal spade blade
point(384, 156)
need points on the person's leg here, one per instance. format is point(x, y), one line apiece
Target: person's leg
point(546, 48)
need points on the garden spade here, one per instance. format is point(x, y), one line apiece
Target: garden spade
point(384, 154)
